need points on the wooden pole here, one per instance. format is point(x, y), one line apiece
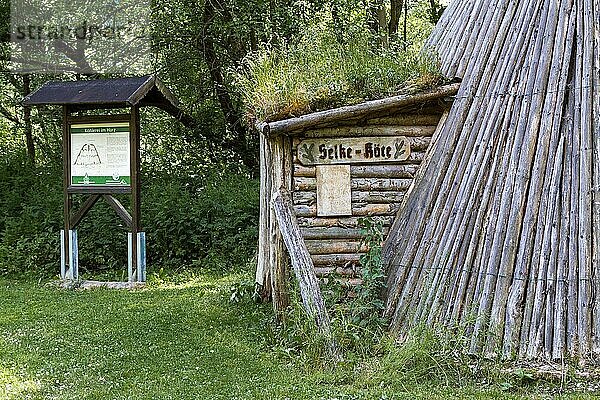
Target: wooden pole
point(312, 300)
point(277, 257)
point(499, 229)
point(134, 140)
point(67, 201)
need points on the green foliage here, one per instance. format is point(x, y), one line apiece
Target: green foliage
point(30, 215)
point(518, 378)
point(367, 306)
point(298, 338)
point(356, 311)
point(436, 356)
point(319, 72)
point(208, 222)
point(183, 339)
point(243, 290)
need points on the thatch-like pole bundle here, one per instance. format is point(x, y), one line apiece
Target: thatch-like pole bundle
point(500, 236)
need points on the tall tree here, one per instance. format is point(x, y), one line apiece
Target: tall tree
point(395, 13)
point(27, 120)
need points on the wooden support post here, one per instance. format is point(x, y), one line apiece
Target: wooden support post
point(134, 130)
point(277, 260)
point(263, 277)
point(85, 208)
point(66, 195)
point(119, 209)
point(312, 300)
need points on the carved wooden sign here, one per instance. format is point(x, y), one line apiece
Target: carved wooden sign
point(353, 150)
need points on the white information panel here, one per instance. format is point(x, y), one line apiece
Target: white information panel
point(100, 154)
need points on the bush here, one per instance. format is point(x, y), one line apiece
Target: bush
point(212, 225)
point(30, 218)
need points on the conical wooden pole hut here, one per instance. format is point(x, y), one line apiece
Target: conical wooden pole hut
point(500, 235)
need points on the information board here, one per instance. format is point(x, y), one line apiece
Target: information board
point(100, 154)
point(353, 150)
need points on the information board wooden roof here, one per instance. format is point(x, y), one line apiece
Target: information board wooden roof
point(105, 93)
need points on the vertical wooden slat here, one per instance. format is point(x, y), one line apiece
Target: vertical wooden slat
point(67, 202)
point(262, 268)
point(134, 140)
point(277, 257)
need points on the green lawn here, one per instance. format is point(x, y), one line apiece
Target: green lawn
point(176, 341)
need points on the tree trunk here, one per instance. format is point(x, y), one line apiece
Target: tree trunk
point(27, 121)
point(376, 21)
point(404, 33)
point(395, 13)
point(240, 143)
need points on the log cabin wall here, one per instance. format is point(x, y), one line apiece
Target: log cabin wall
point(374, 188)
point(377, 189)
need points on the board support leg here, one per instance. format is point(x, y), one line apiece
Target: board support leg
point(141, 257)
point(63, 258)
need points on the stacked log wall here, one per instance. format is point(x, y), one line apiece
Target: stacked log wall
point(377, 190)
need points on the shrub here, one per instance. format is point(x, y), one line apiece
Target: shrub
point(358, 318)
point(30, 217)
point(212, 224)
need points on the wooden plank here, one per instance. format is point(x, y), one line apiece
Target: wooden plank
point(407, 120)
point(262, 276)
point(330, 233)
point(361, 184)
point(85, 208)
point(419, 143)
point(66, 148)
point(310, 198)
point(99, 190)
point(415, 158)
point(333, 190)
point(335, 259)
point(312, 300)
point(98, 118)
point(333, 246)
point(374, 130)
point(377, 197)
point(305, 198)
point(365, 171)
point(305, 184)
point(278, 271)
point(358, 210)
point(136, 215)
point(350, 150)
point(381, 184)
point(384, 171)
point(356, 111)
point(120, 210)
point(343, 222)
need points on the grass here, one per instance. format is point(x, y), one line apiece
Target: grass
point(319, 72)
point(183, 339)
